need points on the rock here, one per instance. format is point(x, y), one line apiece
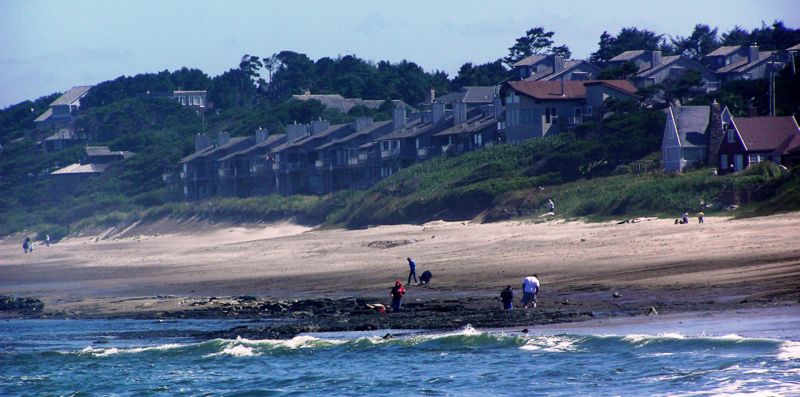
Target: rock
point(21, 304)
point(617, 295)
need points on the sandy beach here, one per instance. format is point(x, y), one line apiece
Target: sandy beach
point(721, 264)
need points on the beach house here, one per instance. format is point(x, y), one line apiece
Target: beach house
point(543, 67)
point(95, 161)
point(742, 62)
point(655, 69)
point(199, 171)
point(751, 140)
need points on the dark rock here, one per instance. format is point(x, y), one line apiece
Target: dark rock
point(617, 295)
point(27, 304)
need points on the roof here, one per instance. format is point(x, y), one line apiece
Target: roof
point(795, 47)
point(44, 116)
point(189, 92)
point(270, 141)
point(213, 149)
point(691, 123)
point(767, 133)
point(474, 94)
point(627, 56)
point(568, 66)
point(573, 89)
point(530, 60)
point(387, 125)
point(473, 124)
point(62, 134)
point(745, 63)
point(336, 101)
point(332, 130)
point(98, 151)
point(724, 50)
point(71, 95)
point(81, 169)
point(665, 61)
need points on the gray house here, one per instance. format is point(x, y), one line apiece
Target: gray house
point(553, 67)
point(61, 113)
point(656, 69)
point(742, 63)
point(538, 108)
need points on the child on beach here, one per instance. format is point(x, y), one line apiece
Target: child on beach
point(397, 296)
point(507, 297)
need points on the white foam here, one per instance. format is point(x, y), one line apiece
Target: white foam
point(236, 351)
point(298, 342)
point(550, 343)
point(789, 351)
point(102, 352)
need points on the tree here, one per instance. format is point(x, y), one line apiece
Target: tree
point(736, 36)
point(681, 87)
point(628, 39)
point(702, 41)
point(621, 72)
point(489, 73)
point(536, 41)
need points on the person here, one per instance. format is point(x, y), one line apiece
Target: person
point(26, 244)
point(507, 297)
point(47, 240)
point(425, 277)
point(397, 295)
point(700, 216)
point(412, 271)
point(551, 205)
point(685, 219)
point(530, 287)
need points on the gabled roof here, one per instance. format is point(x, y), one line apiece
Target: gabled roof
point(530, 60)
point(376, 127)
point(795, 47)
point(44, 116)
point(98, 151)
point(745, 64)
point(336, 101)
point(81, 169)
point(71, 95)
point(272, 140)
point(473, 94)
point(627, 56)
point(665, 62)
point(691, 123)
point(62, 134)
point(331, 131)
point(213, 149)
point(769, 134)
point(473, 124)
point(724, 50)
point(573, 89)
point(568, 67)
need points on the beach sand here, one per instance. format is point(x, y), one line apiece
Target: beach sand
point(723, 263)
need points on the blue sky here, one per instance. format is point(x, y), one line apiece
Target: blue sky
point(49, 46)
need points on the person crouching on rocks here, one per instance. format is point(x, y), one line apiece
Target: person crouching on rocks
point(397, 296)
point(507, 297)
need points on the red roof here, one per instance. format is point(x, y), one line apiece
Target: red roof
point(573, 89)
point(768, 134)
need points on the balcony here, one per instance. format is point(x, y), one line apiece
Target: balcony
point(390, 153)
point(353, 160)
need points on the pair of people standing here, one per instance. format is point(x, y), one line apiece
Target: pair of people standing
point(530, 288)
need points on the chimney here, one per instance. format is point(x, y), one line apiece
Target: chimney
point(223, 138)
point(399, 118)
point(459, 113)
point(430, 96)
point(558, 63)
point(363, 122)
point(296, 131)
point(498, 106)
point(715, 136)
point(319, 125)
point(752, 53)
point(437, 112)
point(201, 141)
point(261, 135)
point(752, 111)
point(655, 58)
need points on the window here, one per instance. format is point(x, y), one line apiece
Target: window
point(478, 139)
point(577, 112)
point(731, 139)
point(547, 115)
point(550, 115)
point(723, 162)
point(588, 110)
point(196, 100)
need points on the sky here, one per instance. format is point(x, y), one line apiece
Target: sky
point(50, 46)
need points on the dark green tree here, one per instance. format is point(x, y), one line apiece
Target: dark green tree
point(628, 39)
point(536, 41)
point(490, 73)
point(702, 41)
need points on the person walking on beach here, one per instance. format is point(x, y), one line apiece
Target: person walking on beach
point(412, 271)
point(551, 206)
point(26, 244)
point(530, 287)
point(507, 297)
point(397, 296)
point(46, 240)
point(700, 216)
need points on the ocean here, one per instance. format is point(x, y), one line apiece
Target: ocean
point(118, 358)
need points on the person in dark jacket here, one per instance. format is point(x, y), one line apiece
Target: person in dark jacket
point(425, 277)
point(507, 297)
point(397, 296)
point(26, 244)
point(412, 271)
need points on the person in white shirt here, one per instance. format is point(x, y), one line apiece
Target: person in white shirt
point(530, 287)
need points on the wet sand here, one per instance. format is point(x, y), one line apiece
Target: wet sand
point(166, 268)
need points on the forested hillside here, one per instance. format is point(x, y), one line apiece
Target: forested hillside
point(126, 114)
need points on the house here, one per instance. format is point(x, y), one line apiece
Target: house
point(472, 129)
point(61, 139)
point(751, 140)
point(61, 113)
point(95, 161)
point(742, 63)
point(246, 172)
point(655, 69)
point(344, 105)
point(199, 170)
point(553, 67)
point(692, 135)
point(193, 99)
point(538, 108)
